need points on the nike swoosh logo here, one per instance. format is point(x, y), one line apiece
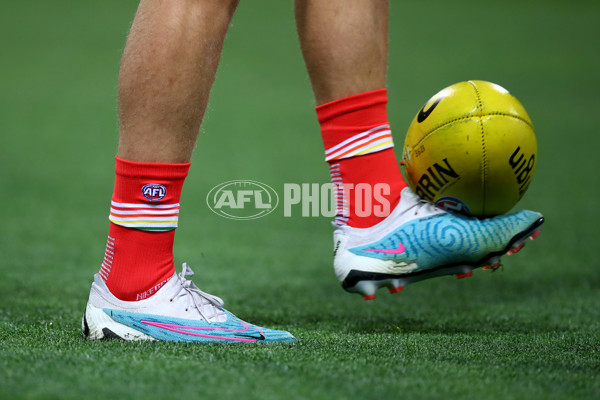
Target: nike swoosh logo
point(233, 329)
point(423, 114)
point(215, 332)
point(399, 250)
point(260, 337)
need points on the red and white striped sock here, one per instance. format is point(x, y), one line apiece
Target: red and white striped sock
point(144, 213)
point(359, 149)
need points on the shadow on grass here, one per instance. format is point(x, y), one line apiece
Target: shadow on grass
point(552, 304)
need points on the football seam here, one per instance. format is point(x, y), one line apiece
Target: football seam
point(469, 117)
point(484, 166)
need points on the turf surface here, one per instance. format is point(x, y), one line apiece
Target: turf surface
point(531, 330)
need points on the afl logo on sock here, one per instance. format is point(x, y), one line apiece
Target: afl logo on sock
point(154, 192)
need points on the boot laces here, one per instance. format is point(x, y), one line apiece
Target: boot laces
point(209, 306)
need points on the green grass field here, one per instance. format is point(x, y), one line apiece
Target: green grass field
point(530, 331)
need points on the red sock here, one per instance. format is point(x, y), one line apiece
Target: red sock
point(143, 216)
point(359, 149)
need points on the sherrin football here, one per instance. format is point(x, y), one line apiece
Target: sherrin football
point(471, 149)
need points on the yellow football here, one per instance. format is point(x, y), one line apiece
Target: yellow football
point(471, 149)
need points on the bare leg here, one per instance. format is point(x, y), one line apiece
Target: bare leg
point(344, 44)
point(168, 68)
